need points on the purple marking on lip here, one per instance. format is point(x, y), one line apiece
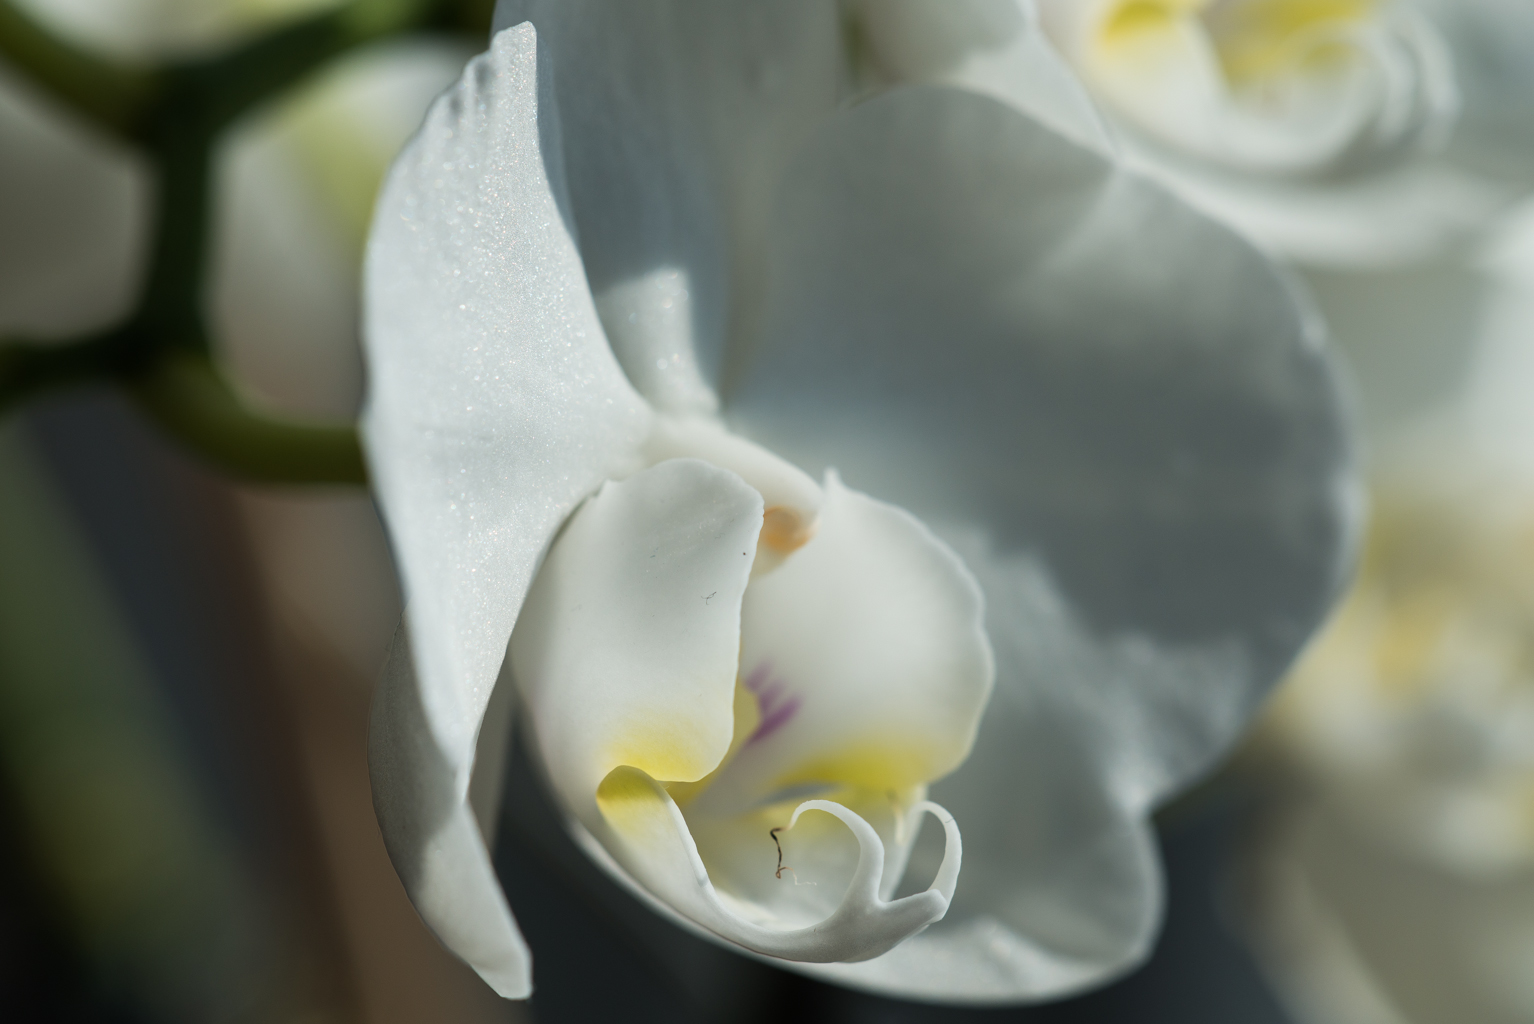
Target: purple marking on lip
point(774, 720)
point(776, 708)
point(759, 677)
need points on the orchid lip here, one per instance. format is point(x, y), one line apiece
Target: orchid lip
point(687, 748)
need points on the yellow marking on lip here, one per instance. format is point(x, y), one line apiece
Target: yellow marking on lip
point(878, 765)
point(748, 715)
point(1256, 39)
point(1147, 33)
point(1253, 39)
point(667, 748)
point(634, 806)
point(1136, 16)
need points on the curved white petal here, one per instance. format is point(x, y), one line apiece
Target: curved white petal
point(868, 658)
point(791, 498)
point(995, 47)
point(678, 117)
point(494, 405)
point(649, 838)
point(627, 648)
point(988, 325)
point(431, 834)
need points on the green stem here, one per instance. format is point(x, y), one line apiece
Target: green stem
point(190, 400)
point(105, 93)
point(177, 114)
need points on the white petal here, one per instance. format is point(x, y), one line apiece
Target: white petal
point(495, 405)
point(679, 116)
point(995, 47)
point(627, 649)
point(649, 838)
point(432, 836)
point(792, 499)
point(868, 657)
point(984, 323)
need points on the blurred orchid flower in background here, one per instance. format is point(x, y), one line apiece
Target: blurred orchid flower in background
point(1387, 149)
point(1348, 133)
point(644, 275)
point(1394, 879)
point(142, 30)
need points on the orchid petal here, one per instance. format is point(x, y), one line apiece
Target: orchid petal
point(868, 658)
point(792, 499)
point(993, 47)
point(495, 405)
point(432, 837)
point(979, 320)
point(627, 650)
point(679, 117)
point(650, 838)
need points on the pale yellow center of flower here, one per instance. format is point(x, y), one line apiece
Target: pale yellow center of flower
point(1422, 686)
point(1253, 39)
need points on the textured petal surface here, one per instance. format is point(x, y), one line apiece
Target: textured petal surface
point(495, 405)
point(432, 836)
point(627, 649)
point(679, 116)
point(1131, 432)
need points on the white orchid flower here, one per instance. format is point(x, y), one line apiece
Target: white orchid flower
point(643, 277)
point(1337, 132)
